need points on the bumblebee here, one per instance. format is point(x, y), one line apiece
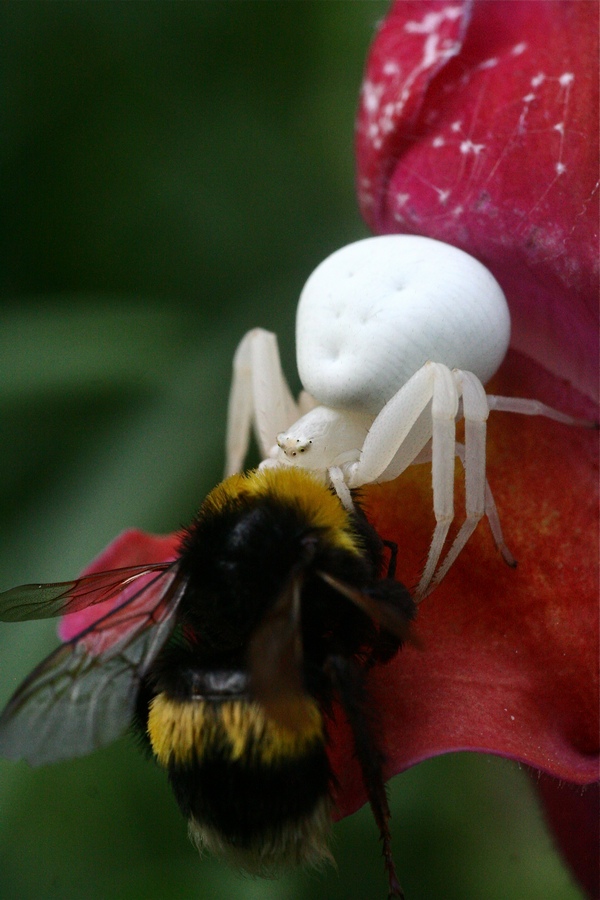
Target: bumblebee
point(227, 661)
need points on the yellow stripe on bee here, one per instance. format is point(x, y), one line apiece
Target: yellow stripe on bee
point(182, 731)
point(294, 487)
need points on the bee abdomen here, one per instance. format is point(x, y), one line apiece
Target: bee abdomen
point(260, 817)
point(252, 790)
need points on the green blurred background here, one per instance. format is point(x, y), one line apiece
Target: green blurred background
point(171, 174)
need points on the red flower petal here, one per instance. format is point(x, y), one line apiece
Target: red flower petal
point(478, 125)
point(509, 663)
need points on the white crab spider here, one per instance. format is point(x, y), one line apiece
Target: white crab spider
point(395, 337)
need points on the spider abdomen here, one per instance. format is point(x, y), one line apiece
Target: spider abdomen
point(374, 312)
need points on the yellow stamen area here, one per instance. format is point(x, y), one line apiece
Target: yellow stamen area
point(294, 487)
point(182, 731)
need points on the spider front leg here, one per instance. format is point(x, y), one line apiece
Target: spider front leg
point(259, 398)
point(397, 436)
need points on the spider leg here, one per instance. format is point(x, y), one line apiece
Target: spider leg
point(476, 411)
point(493, 518)
point(259, 398)
point(491, 511)
point(444, 408)
point(398, 433)
point(336, 477)
point(535, 408)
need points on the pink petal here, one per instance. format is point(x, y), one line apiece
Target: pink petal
point(478, 125)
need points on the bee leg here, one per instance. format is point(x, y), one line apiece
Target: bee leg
point(348, 682)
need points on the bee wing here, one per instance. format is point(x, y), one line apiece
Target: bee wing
point(275, 660)
point(42, 601)
point(83, 695)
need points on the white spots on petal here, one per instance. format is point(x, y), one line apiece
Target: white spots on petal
point(367, 200)
point(372, 93)
point(490, 63)
point(435, 48)
point(559, 137)
point(430, 51)
point(391, 67)
point(543, 109)
point(566, 79)
point(431, 21)
point(434, 51)
point(469, 147)
point(451, 48)
point(401, 201)
point(433, 36)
